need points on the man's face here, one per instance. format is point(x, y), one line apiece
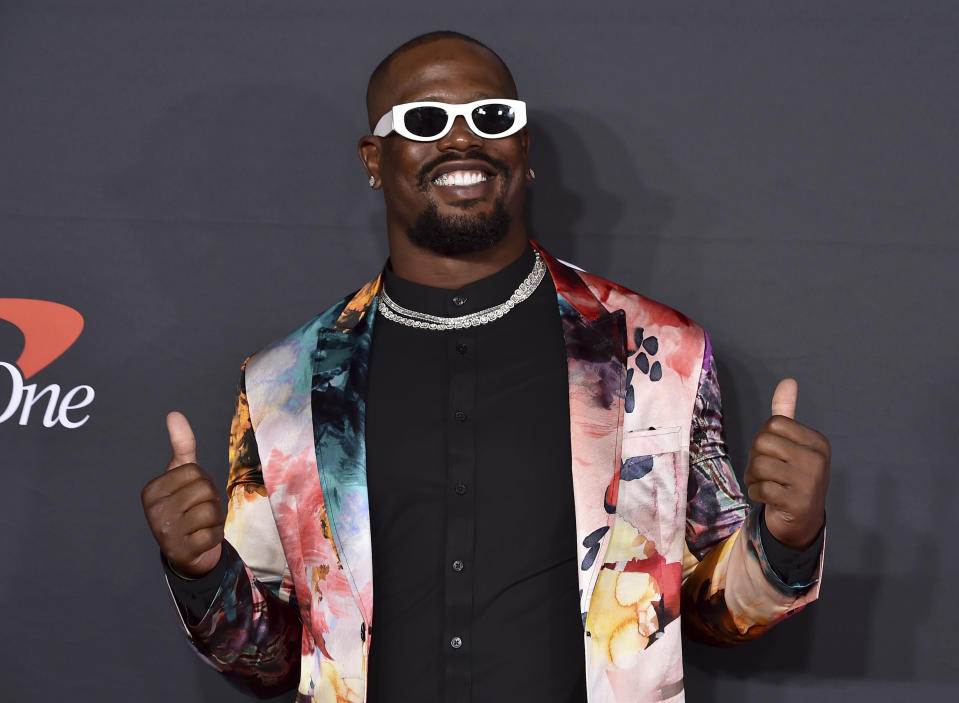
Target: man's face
point(448, 219)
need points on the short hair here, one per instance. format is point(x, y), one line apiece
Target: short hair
point(380, 71)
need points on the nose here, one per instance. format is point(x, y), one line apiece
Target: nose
point(460, 137)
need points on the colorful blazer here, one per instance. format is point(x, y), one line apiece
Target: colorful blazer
point(665, 541)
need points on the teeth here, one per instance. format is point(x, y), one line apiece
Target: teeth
point(460, 178)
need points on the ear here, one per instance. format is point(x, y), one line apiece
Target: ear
point(368, 150)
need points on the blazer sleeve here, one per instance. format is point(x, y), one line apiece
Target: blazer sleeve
point(731, 592)
point(252, 630)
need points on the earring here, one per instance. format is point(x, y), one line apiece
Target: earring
point(532, 175)
point(372, 181)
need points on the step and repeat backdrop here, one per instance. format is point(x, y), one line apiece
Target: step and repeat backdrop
point(179, 186)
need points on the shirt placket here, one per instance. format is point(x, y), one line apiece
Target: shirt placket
point(460, 507)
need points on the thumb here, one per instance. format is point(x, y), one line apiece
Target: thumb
point(181, 439)
point(784, 398)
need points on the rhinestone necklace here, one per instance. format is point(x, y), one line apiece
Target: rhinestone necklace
point(392, 310)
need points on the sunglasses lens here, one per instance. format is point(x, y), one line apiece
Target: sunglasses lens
point(493, 118)
point(425, 121)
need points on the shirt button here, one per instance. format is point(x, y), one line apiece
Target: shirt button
point(460, 489)
point(458, 301)
point(457, 565)
point(460, 416)
point(461, 348)
point(456, 642)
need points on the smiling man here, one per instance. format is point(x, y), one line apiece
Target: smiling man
point(454, 192)
point(486, 475)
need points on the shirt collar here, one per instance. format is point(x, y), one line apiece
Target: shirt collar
point(478, 295)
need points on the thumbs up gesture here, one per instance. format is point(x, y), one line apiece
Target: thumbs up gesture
point(183, 507)
point(789, 471)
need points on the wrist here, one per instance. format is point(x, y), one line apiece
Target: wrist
point(178, 573)
point(788, 535)
point(200, 568)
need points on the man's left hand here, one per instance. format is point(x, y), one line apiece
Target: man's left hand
point(789, 471)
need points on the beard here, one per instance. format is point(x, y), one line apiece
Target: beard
point(459, 234)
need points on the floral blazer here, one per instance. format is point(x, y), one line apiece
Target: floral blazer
point(665, 541)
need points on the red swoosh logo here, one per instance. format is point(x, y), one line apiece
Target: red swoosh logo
point(48, 329)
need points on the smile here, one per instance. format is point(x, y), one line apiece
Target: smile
point(460, 178)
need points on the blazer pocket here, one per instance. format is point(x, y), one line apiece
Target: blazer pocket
point(652, 489)
point(651, 442)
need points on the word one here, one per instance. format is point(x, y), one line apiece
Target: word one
point(57, 410)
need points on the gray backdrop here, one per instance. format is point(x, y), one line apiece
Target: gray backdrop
point(184, 175)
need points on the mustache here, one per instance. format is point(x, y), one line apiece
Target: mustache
point(424, 173)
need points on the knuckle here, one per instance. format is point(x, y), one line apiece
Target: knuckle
point(825, 446)
point(204, 540)
point(151, 489)
point(165, 528)
point(155, 512)
point(196, 541)
point(778, 423)
point(152, 513)
point(209, 513)
point(760, 441)
point(186, 471)
point(814, 459)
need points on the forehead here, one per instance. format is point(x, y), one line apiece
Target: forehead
point(448, 70)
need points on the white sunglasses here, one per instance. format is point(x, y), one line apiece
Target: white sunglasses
point(428, 121)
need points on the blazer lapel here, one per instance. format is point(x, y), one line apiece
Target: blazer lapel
point(596, 363)
point(338, 400)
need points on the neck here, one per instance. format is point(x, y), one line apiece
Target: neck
point(451, 272)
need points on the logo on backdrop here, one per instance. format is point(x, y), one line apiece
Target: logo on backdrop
point(48, 330)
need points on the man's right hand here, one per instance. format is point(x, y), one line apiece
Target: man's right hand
point(184, 507)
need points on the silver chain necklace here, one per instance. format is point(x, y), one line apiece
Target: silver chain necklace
point(392, 310)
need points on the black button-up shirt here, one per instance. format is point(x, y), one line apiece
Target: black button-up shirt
point(473, 528)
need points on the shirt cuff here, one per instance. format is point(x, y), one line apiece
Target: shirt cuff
point(196, 595)
point(791, 565)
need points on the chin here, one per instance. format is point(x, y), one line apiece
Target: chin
point(474, 204)
point(460, 233)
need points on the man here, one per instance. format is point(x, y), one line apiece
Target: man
point(526, 459)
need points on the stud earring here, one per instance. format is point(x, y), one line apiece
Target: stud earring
point(532, 175)
point(372, 181)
